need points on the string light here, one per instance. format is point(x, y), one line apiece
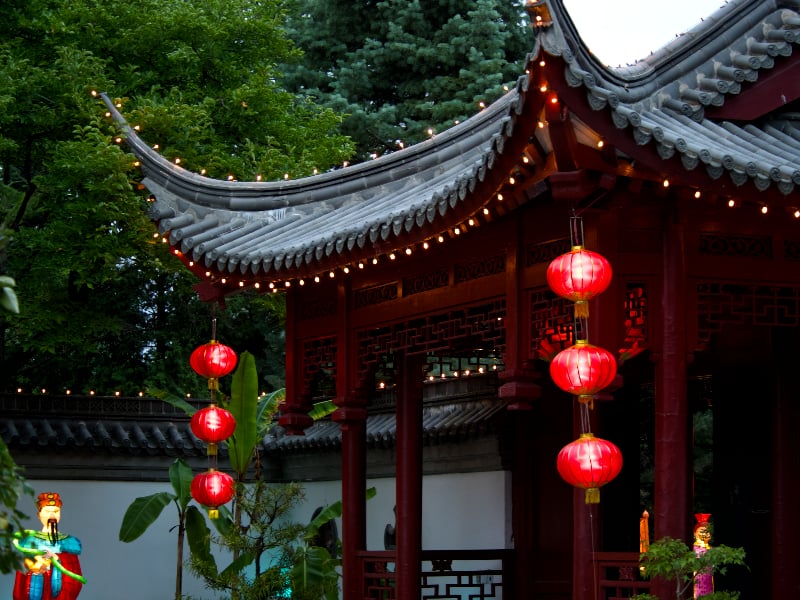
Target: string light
point(697, 194)
point(764, 209)
point(731, 203)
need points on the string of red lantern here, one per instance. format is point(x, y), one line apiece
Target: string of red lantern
point(589, 463)
point(213, 424)
point(583, 369)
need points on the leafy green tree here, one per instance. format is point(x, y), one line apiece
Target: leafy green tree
point(675, 561)
point(106, 305)
point(400, 67)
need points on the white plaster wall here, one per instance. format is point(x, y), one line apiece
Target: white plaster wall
point(464, 511)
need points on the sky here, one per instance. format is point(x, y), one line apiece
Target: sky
point(619, 32)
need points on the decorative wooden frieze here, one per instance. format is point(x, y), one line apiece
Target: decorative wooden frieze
point(427, 281)
point(545, 252)
point(791, 249)
point(480, 326)
point(321, 306)
point(490, 265)
point(750, 246)
point(375, 295)
point(721, 304)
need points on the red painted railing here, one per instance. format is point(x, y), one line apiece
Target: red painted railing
point(473, 574)
point(618, 575)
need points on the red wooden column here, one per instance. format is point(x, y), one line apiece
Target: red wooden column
point(294, 414)
point(409, 477)
point(785, 521)
point(672, 461)
point(352, 417)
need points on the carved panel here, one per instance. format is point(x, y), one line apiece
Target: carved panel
point(375, 295)
point(552, 323)
point(426, 282)
point(791, 249)
point(320, 306)
point(636, 317)
point(490, 265)
point(728, 303)
point(545, 252)
point(319, 367)
point(471, 327)
point(750, 246)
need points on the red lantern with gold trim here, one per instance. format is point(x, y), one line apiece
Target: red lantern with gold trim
point(213, 425)
point(212, 489)
point(589, 463)
point(583, 370)
point(213, 360)
point(579, 275)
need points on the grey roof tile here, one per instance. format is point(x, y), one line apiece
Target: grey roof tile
point(282, 229)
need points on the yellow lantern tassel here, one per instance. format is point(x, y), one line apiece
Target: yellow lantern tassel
point(592, 496)
point(211, 449)
point(581, 309)
point(213, 513)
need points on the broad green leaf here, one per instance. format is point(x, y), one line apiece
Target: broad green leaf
point(237, 565)
point(142, 513)
point(244, 407)
point(320, 410)
point(180, 475)
point(199, 538)
point(313, 569)
point(8, 300)
point(332, 511)
point(268, 406)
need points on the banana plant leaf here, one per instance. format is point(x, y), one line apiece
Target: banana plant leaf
point(268, 406)
point(180, 475)
point(332, 511)
point(315, 569)
point(322, 409)
point(142, 513)
point(199, 536)
point(244, 407)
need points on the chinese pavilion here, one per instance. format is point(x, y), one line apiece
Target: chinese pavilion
point(684, 169)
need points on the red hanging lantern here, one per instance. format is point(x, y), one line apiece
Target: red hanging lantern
point(589, 463)
point(213, 425)
point(579, 275)
point(583, 370)
point(212, 489)
point(213, 360)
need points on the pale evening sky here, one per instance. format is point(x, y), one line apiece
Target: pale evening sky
point(619, 32)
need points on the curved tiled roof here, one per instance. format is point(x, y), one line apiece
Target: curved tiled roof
point(150, 427)
point(675, 112)
point(673, 97)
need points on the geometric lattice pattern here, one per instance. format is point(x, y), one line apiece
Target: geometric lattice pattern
point(731, 304)
point(466, 328)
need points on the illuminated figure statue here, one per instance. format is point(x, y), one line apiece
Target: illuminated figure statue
point(704, 580)
point(52, 568)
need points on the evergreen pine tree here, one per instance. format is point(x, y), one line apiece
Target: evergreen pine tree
point(399, 68)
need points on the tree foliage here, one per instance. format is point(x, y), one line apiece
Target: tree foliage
point(673, 560)
point(105, 304)
point(399, 67)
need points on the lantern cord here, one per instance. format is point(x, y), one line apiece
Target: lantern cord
point(576, 230)
point(594, 551)
point(214, 326)
point(583, 410)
